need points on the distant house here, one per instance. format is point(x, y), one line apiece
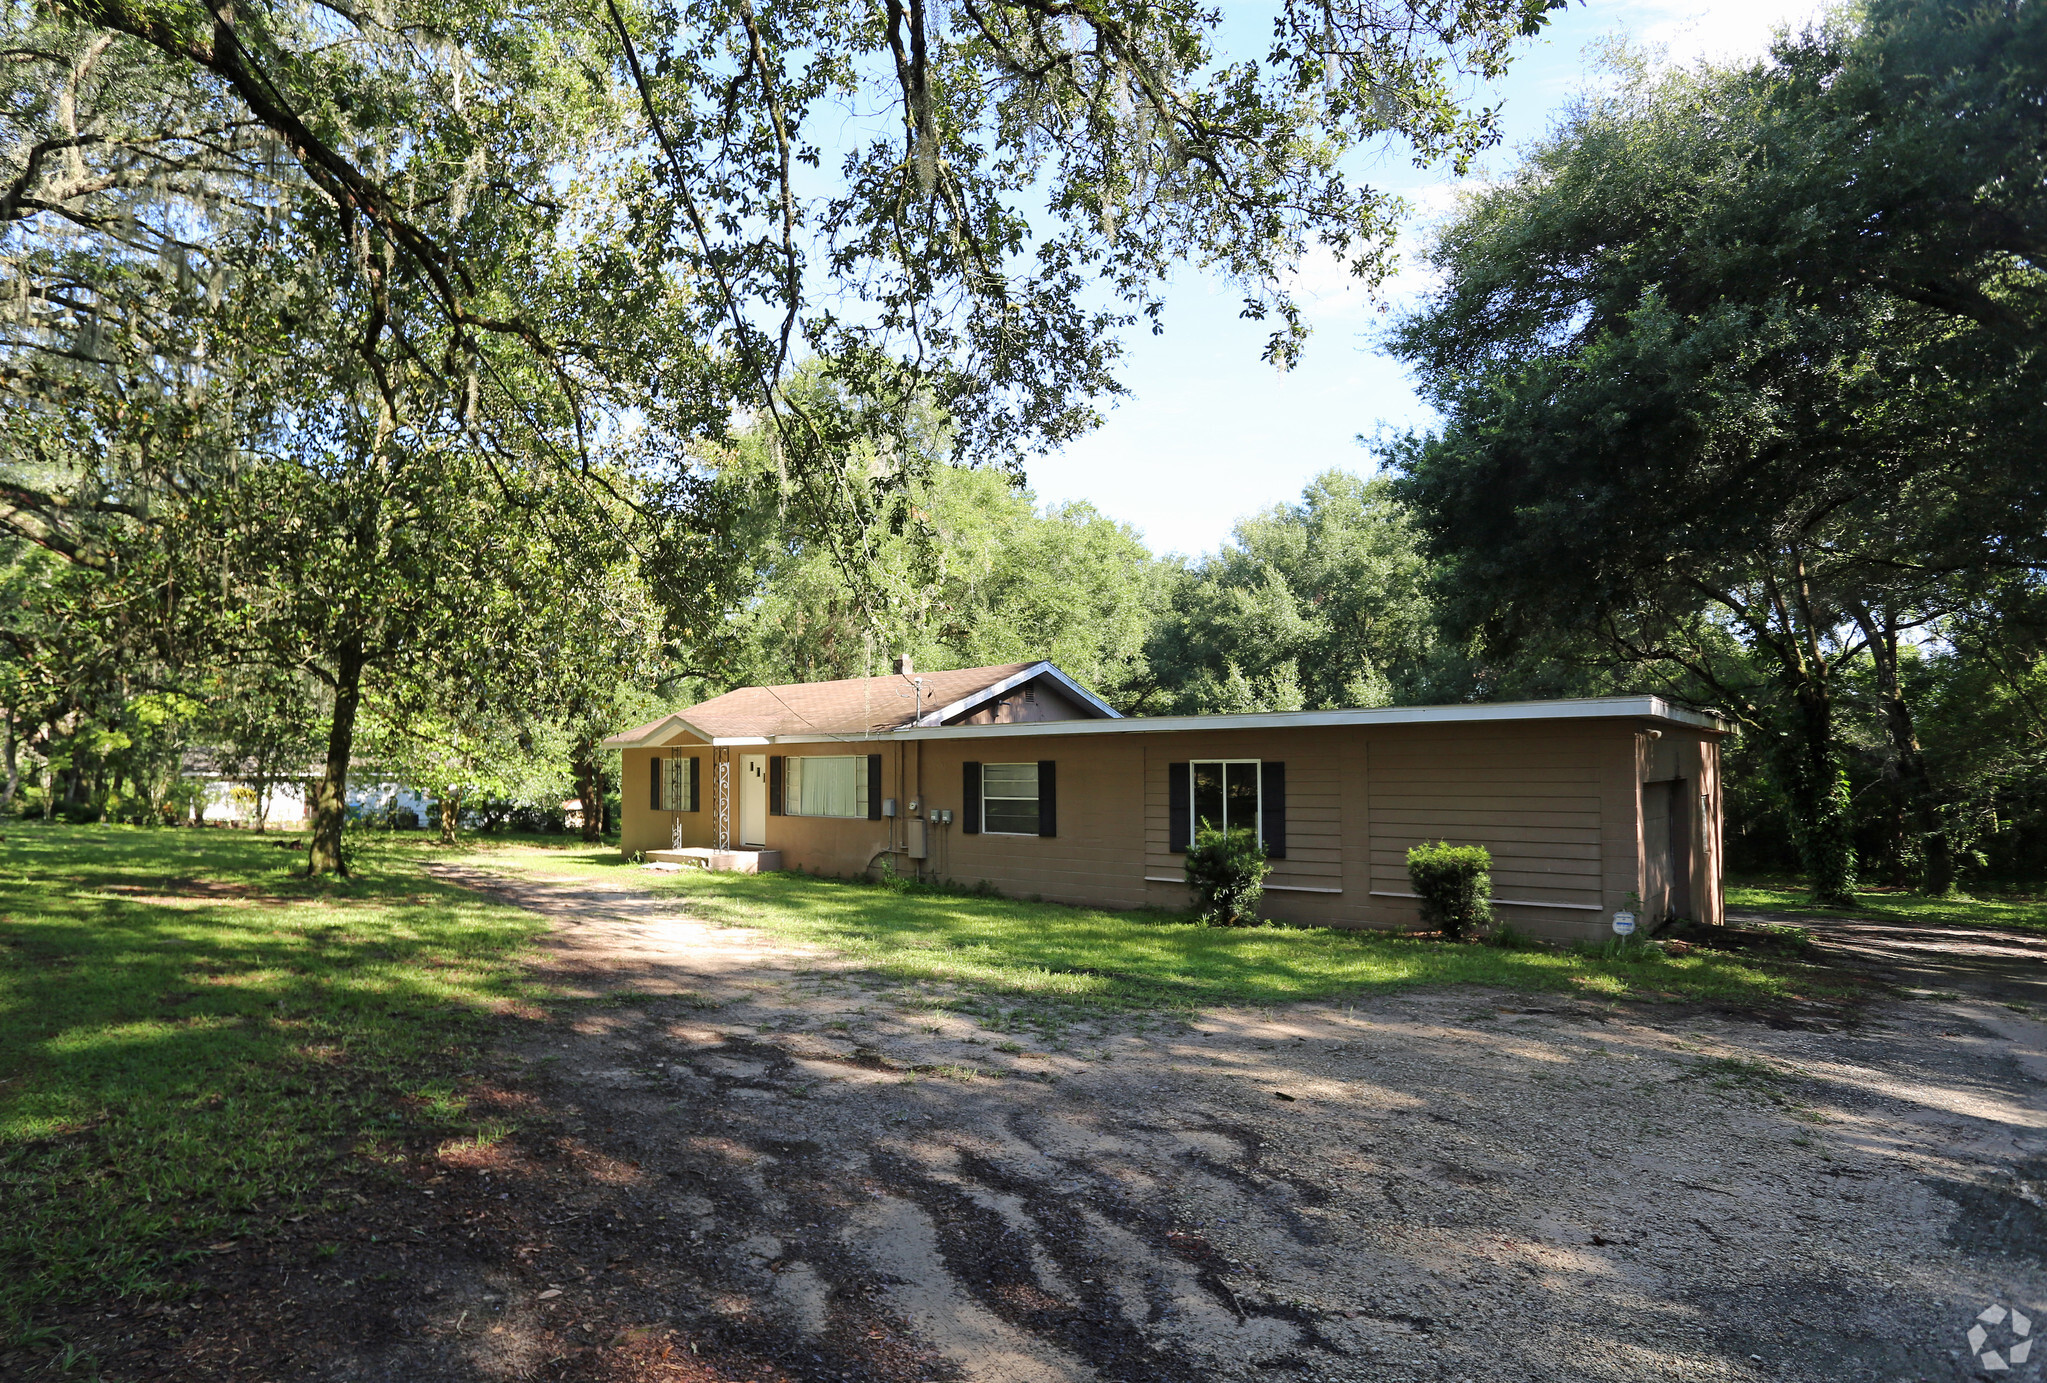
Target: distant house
point(227, 799)
point(1019, 776)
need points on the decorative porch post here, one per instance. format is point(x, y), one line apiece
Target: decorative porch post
point(723, 758)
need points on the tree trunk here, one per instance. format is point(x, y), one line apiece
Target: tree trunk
point(590, 789)
point(1811, 777)
point(330, 795)
point(451, 814)
point(11, 751)
point(1937, 876)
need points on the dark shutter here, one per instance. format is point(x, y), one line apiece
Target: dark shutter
point(1272, 808)
point(970, 799)
point(874, 787)
point(1179, 806)
point(1048, 798)
point(696, 798)
point(655, 801)
point(775, 767)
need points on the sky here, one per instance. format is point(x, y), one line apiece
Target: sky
point(1209, 433)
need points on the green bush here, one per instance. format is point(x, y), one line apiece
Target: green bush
point(1227, 872)
point(1452, 881)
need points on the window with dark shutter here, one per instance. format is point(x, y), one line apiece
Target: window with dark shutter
point(970, 798)
point(775, 768)
point(1179, 808)
point(1272, 808)
point(874, 787)
point(695, 783)
point(1048, 798)
point(654, 768)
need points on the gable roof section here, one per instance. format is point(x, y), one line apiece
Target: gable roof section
point(853, 706)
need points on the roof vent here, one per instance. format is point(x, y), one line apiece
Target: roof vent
point(904, 667)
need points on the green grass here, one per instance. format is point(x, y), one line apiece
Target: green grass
point(2026, 912)
point(1047, 953)
point(189, 1036)
point(192, 1042)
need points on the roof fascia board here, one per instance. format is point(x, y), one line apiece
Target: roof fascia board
point(937, 718)
point(661, 734)
point(1586, 708)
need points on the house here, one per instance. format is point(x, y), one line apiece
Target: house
point(225, 796)
point(1020, 777)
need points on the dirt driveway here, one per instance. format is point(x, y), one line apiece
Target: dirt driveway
point(785, 1161)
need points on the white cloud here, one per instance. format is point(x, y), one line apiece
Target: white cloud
point(1722, 29)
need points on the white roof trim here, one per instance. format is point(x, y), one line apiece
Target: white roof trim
point(1477, 712)
point(663, 731)
point(1016, 679)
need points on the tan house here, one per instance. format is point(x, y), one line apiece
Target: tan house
point(1020, 777)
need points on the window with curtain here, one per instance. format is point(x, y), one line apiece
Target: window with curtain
point(1009, 799)
point(825, 786)
point(1225, 796)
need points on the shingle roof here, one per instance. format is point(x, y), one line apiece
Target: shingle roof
point(852, 706)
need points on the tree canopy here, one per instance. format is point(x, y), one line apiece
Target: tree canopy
point(1686, 406)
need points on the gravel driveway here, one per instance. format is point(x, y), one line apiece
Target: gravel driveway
point(846, 1177)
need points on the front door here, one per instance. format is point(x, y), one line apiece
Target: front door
point(753, 799)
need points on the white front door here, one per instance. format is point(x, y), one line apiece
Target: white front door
point(753, 799)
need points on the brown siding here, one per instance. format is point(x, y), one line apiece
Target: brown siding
point(1559, 805)
point(1534, 796)
point(1096, 857)
point(1308, 885)
point(641, 828)
point(836, 845)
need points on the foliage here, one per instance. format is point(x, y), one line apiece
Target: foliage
point(1453, 883)
point(976, 573)
point(1226, 870)
point(173, 1057)
point(1750, 452)
point(1321, 603)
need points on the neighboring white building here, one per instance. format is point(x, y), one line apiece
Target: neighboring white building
point(231, 801)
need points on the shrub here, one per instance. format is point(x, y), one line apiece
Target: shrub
point(1227, 873)
point(1452, 881)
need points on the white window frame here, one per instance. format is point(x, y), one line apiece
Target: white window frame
point(1194, 812)
point(792, 787)
point(1036, 799)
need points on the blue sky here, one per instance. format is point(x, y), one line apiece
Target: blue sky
point(1210, 433)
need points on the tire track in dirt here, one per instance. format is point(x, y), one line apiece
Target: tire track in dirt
point(1457, 1185)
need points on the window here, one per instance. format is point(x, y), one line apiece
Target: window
point(675, 785)
point(826, 786)
point(1009, 799)
point(1225, 796)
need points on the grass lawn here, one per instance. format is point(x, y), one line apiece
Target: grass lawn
point(2026, 911)
point(194, 1045)
point(1046, 952)
point(189, 1038)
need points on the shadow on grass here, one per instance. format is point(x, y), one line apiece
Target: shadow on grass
point(2018, 911)
point(187, 1031)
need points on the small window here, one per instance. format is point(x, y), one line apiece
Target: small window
point(820, 785)
point(1009, 799)
point(675, 785)
point(1225, 796)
